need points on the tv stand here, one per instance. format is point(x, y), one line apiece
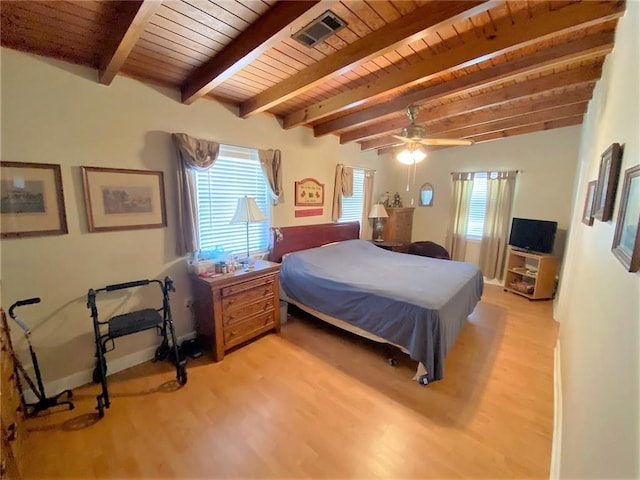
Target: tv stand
point(532, 275)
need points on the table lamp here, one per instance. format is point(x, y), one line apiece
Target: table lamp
point(378, 212)
point(247, 211)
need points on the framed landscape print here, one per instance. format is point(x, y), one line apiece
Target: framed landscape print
point(607, 182)
point(119, 199)
point(32, 201)
point(626, 240)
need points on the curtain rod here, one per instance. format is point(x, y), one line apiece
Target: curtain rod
point(483, 171)
point(361, 168)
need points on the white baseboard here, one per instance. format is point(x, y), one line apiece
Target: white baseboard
point(556, 445)
point(86, 376)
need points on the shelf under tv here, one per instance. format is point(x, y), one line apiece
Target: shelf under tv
point(531, 275)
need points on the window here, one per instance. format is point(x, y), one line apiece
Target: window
point(352, 206)
point(477, 207)
point(236, 172)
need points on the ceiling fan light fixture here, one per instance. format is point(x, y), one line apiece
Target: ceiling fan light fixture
point(411, 155)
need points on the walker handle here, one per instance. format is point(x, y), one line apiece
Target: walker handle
point(21, 303)
point(120, 286)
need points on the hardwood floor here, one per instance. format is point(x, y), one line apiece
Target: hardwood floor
point(316, 402)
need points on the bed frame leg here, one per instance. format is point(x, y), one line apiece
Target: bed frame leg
point(391, 356)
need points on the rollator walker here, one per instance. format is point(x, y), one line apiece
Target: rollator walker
point(133, 322)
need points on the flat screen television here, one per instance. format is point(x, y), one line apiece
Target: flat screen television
point(533, 235)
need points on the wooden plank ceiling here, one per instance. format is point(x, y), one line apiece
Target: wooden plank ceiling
point(478, 70)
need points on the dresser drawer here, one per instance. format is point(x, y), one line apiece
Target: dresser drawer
point(233, 302)
point(239, 332)
point(242, 286)
point(242, 311)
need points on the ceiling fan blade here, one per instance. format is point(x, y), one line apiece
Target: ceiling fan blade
point(403, 139)
point(446, 141)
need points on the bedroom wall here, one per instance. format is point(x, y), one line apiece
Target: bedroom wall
point(599, 302)
point(544, 189)
point(54, 112)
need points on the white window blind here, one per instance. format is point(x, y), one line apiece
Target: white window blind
point(352, 206)
point(235, 173)
point(477, 207)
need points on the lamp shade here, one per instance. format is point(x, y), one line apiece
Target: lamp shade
point(247, 210)
point(378, 211)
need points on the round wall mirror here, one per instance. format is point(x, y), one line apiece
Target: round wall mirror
point(426, 195)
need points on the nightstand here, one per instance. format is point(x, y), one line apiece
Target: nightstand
point(392, 246)
point(235, 307)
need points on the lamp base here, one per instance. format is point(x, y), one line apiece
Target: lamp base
point(248, 263)
point(377, 230)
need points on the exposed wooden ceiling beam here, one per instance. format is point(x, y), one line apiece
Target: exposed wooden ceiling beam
point(487, 120)
point(403, 31)
point(133, 17)
point(278, 23)
point(535, 127)
point(585, 48)
point(500, 96)
point(506, 37)
point(517, 130)
point(508, 118)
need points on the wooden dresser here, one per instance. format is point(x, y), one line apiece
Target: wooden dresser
point(235, 307)
point(399, 225)
point(11, 408)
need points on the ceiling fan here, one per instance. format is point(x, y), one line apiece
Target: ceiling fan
point(418, 134)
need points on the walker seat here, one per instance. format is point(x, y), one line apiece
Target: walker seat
point(133, 322)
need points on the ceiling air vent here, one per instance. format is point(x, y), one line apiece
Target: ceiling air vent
point(326, 24)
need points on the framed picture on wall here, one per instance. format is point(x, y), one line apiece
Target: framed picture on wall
point(309, 192)
point(587, 213)
point(626, 240)
point(119, 199)
point(31, 202)
point(607, 182)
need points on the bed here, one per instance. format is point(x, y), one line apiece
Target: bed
point(418, 304)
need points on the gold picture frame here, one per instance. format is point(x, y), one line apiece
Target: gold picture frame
point(626, 240)
point(32, 200)
point(122, 199)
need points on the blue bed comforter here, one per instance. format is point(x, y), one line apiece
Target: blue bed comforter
point(417, 302)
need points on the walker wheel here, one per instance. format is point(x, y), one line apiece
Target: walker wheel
point(182, 376)
point(97, 374)
point(392, 361)
point(423, 380)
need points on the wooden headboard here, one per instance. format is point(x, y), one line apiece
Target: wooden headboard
point(292, 239)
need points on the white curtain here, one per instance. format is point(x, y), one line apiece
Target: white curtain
point(192, 154)
point(368, 203)
point(456, 241)
point(343, 185)
point(500, 189)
